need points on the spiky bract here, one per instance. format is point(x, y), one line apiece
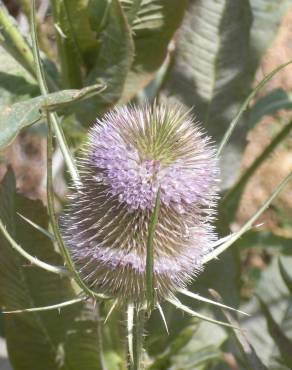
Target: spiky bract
point(131, 153)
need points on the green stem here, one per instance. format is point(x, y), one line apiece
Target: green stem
point(232, 198)
point(136, 337)
point(16, 45)
point(43, 40)
point(52, 116)
point(33, 260)
point(150, 254)
point(101, 362)
point(139, 317)
point(12, 40)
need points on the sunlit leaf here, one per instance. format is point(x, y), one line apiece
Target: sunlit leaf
point(22, 114)
point(210, 72)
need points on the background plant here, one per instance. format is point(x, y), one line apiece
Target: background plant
point(203, 53)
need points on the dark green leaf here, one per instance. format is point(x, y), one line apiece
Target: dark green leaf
point(114, 61)
point(284, 272)
point(164, 360)
point(68, 49)
point(98, 12)
point(154, 23)
point(282, 341)
point(15, 83)
point(269, 104)
point(250, 357)
point(274, 294)
point(41, 340)
point(265, 240)
point(76, 39)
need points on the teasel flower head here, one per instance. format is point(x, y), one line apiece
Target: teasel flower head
point(133, 152)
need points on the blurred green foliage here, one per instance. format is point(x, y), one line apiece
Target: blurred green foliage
point(203, 53)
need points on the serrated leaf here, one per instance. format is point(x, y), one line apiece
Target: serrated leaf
point(19, 115)
point(40, 340)
point(154, 23)
point(211, 68)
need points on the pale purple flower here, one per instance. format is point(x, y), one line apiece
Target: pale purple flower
point(132, 152)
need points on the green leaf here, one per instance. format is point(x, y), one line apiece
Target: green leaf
point(273, 292)
point(202, 350)
point(211, 68)
point(283, 343)
point(19, 115)
point(163, 361)
point(68, 49)
point(250, 357)
point(15, 82)
point(78, 13)
point(77, 41)
point(18, 47)
point(265, 239)
point(153, 24)
point(267, 17)
point(98, 12)
point(114, 60)
point(269, 104)
point(284, 268)
point(40, 340)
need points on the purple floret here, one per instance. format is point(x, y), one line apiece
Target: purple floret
point(133, 152)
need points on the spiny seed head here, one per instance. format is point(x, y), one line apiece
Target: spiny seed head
point(131, 153)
